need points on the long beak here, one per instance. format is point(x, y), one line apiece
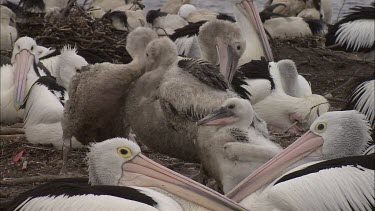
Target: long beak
point(264, 175)
point(254, 18)
point(223, 116)
point(23, 61)
point(141, 171)
point(228, 59)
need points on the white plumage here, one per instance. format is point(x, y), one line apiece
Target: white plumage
point(364, 97)
point(356, 34)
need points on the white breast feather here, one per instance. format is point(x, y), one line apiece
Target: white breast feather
point(357, 34)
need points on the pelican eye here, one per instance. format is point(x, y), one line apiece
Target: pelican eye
point(321, 127)
point(124, 152)
point(238, 47)
point(232, 106)
point(32, 48)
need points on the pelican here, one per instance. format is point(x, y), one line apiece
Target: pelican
point(331, 142)
point(8, 28)
point(121, 178)
point(354, 32)
point(229, 145)
point(17, 79)
point(99, 91)
point(42, 107)
point(167, 100)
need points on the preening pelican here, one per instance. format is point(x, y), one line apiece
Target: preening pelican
point(229, 146)
point(334, 136)
point(122, 178)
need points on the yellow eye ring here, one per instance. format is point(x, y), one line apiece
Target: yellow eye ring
point(124, 152)
point(320, 127)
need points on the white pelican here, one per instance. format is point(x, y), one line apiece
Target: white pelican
point(354, 32)
point(17, 79)
point(8, 30)
point(123, 178)
point(98, 92)
point(167, 100)
point(339, 184)
point(362, 100)
point(229, 146)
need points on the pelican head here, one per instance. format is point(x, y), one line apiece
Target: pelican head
point(248, 18)
point(233, 111)
point(333, 135)
point(226, 38)
point(137, 41)
point(25, 54)
point(160, 53)
point(119, 161)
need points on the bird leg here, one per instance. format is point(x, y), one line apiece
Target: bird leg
point(67, 144)
point(248, 152)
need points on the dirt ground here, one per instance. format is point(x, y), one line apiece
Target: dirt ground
point(328, 72)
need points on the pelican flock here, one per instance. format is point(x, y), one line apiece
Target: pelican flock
point(203, 87)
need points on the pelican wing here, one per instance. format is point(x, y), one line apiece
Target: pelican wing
point(66, 192)
point(204, 72)
point(338, 184)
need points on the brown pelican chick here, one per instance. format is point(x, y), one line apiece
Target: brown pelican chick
point(168, 106)
point(97, 93)
point(229, 145)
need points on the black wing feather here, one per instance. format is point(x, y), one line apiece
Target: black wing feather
point(79, 186)
point(204, 72)
point(257, 69)
point(189, 30)
point(360, 162)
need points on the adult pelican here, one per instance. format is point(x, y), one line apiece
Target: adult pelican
point(121, 178)
point(340, 182)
